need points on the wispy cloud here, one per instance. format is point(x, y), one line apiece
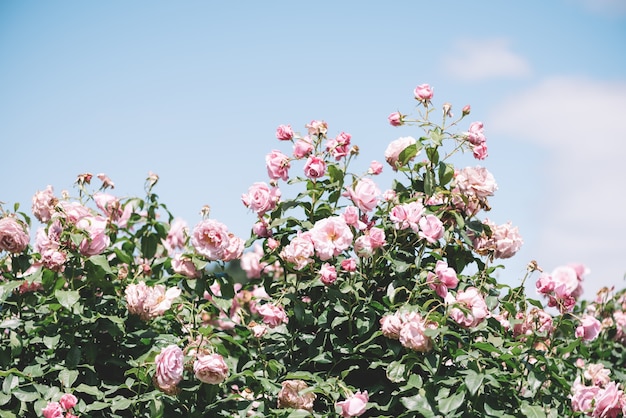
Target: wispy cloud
point(579, 123)
point(605, 7)
point(475, 60)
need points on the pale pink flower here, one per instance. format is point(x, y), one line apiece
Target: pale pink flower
point(184, 265)
point(251, 262)
point(582, 397)
point(284, 132)
point(261, 229)
point(395, 119)
point(14, 236)
point(234, 249)
point(365, 194)
point(73, 211)
point(210, 368)
point(106, 181)
point(589, 328)
point(299, 250)
point(395, 148)
point(68, 401)
point(474, 308)
point(442, 279)
point(302, 148)
point(149, 301)
point(480, 152)
point(536, 320)
point(407, 215)
point(377, 237)
point(597, 374)
point(389, 195)
point(363, 246)
point(317, 127)
point(340, 146)
point(211, 239)
point(98, 239)
point(349, 264)
point(351, 216)
point(476, 133)
point(108, 204)
point(53, 410)
point(430, 228)
point(331, 236)
point(314, 167)
point(170, 364)
point(177, 236)
point(44, 203)
point(291, 396)
point(375, 168)
point(391, 324)
point(476, 181)
point(277, 165)
point(619, 318)
point(354, 405)
point(328, 274)
point(261, 198)
point(608, 401)
point(507, 240)
point(412, 334)
point(423, 93)
point(272, 315)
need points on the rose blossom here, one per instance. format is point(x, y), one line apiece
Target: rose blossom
point(277, 165)
point(169, 368)
point(291, 396)
point(407, 215)
point(315, 167)
point(184, 265)
point(234, 249)
point(354, 405)
point(299, 250)
point(211, 239)
point(583, 396)
point(395, 148)
point(375, 168)
point(330, 237)
point(328, 274)
point(13, 235)
point(442, 279)
point(597, 374)
point(608, 401)
point(317, 127)
point(349, 264)
point(476, 133)
point(507, 240)
point(351, 216)
point(476, 181)
point(589, 328)
point(365, 194)
point(251, 262)
point(176, 236)
point(340, 146)
point(272, 315)
point(412, 334)
point(284, 132)
point(475, 308)
point(430, 228)
point(98, 240)
point(395, 119)
point(43, 204)
point(53, 410)
point(210, 368)
point(480, 152)
point(302, 148)
point(423, 92)
point(391, 324)
point(108, 204)
point(68, 401)
point(149, 302)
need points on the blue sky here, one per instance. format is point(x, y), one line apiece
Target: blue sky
point(194, 90)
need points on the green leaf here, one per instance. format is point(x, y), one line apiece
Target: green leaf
point(67, 298)
point(67, 377)
point(473, 381)
point(407, 155)
point(446, 173)
point(395, 371)
point(532, 411)
point(429, 182)
point(418, 403)
point(450, 404)
point(120, 403)
point(149, 246)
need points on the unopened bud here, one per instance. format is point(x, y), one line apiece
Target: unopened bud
point(447, 110)
point(466, 110)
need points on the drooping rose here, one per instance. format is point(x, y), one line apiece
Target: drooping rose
point(589, 328)
point(210, 368)
point(170, 364)
point(98, 239)
point(395, 119)
point(43, 204)
point(13, 235)
point(291, 396)
point(277, 165)
point(475, 309)
point(184, 265)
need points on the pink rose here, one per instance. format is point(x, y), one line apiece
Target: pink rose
point(14, 236)
point(430, 228)
point(184, 265)
point(340, 146)
point(251, 262)
point(176, 236)
point(407, 215)
point(365, 195)
point(582, 397)
point(299, 250)
point(395, 148)
point(395, 119)
point(589, 328)
point(291, 396)
point(331, 236)
point(53, 410)
point(108, 204)
point(351, 216)
point(234, 249)
point(149, 301)
point(476, 181)
point(608, 401)
point(98, 240)
point(480, 151)
point(507, 240)
point(170, 364)
point(423, 93)
point(349, 264)
point(443, 279)
point(68, 401)
point(317, 127)
point(391, 325)
point(302, 148)
point(354, 405)
point(363, 246)
point(277, 165)
point(412, 334)
point(211, 368)
point(272, 315)
point(211, 239)
point(284, 132)
point(475, 308)
point(476, 133)
point(597, 374)
point(43, 204)
point(375, 168)
point(377, 237)
point(315, 167)
point(328, 274)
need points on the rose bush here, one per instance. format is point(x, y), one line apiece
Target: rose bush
point(350, 300)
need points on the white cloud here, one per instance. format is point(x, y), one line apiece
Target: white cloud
point(475, 60)
point(579, 122)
